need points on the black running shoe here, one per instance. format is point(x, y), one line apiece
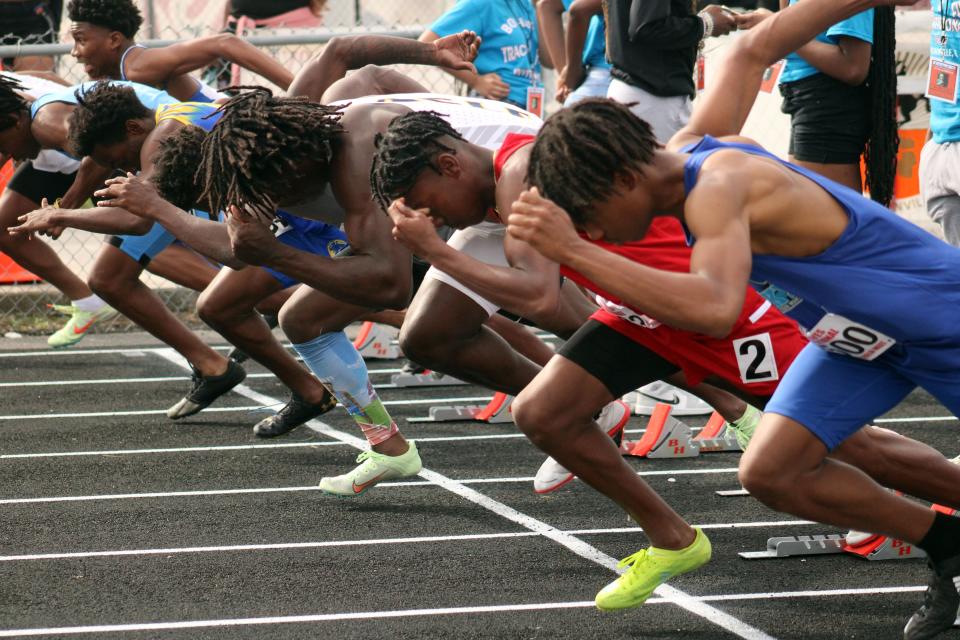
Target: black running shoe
point(940, 603)
point(206, 389)
point(293, 414)
point(238, 355)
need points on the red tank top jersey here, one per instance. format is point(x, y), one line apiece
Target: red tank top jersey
point(760, 347)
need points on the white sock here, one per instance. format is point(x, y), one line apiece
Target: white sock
point(90, 303)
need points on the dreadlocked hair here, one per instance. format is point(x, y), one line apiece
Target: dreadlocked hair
point(880, 155)
point(404, 150)
point(581, 150)
point(11, 102)
point(101, 115)
point(116, 15)
point(175, 167)
point(256, 150)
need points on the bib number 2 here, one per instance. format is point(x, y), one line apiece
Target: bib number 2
point(840, 335)
point(755, 359)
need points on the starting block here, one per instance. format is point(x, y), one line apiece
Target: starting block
point(874, 548)
point(667, 437)
point(376, 341)
point(425, 379)
point(495, 411)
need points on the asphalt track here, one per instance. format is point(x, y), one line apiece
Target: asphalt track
point(117, 522)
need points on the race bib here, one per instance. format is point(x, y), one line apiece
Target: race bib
point(942, 81)
point(628, 314)
point(755, 358)
point(771, 76)
point(840, 335)
point(278, 227)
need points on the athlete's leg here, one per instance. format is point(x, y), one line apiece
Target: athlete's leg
point(184, 266)
point(116, 278)
point(227, 305)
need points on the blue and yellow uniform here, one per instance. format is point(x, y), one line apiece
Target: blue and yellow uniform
point(890, 293)
point(311, 236)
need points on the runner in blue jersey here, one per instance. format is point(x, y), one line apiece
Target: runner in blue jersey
point(104, 43)
point(889, 291)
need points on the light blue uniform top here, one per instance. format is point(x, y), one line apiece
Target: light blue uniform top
point(595, 46)
point(509, 47)
point(859, 26)
point(945, 117)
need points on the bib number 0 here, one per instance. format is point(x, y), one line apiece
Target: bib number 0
point(840, 335)
point(755, 359)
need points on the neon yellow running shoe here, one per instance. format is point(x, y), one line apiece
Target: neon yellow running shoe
point(744, 428)
point(374, 467)
point(648, 569)
point(78, 324)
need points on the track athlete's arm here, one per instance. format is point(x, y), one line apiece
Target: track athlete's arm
point(722, 112)
point(376, 273)
point(156, 66)
point(342, 54)
point(707, 300)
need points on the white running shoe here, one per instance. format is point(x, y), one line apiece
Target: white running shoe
point(552, 475)
point(681, 402)
point(374, 467)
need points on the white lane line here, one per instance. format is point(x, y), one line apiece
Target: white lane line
point(581, 548)
point(927, 419)
point(371, 542)
point(273, 403)
point(64, 383)
point(445, 611)
point(255, 490)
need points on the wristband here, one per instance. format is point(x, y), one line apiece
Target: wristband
point(707, 20)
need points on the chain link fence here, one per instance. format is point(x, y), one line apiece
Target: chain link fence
point(25, 302)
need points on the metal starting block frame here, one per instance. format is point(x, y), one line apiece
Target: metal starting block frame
point(667, 437)
point(425, 379)
point(494, 412)
point(377, 342)
point(875, 548)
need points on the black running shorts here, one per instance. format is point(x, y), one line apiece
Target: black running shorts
point(36, 184)
point(829, 120)
point(621, 364)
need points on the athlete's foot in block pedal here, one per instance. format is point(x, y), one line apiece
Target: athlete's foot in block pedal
point(206, 389)
point(374, 468)
point(941, 603)
point(293, 414)
point(552, 475)
point(681, 402)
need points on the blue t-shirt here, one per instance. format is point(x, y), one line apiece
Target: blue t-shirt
point(859, 26)
point(509, 47)
point(945, 117)
point(595, 46)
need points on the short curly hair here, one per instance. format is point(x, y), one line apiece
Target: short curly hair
point(116, 15)
point(101, 115)
point(175, 167)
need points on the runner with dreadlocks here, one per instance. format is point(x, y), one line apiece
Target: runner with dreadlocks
point(103, 42)
point(889, 289)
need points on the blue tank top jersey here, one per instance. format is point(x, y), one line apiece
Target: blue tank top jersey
point(883, 271)
point(150, 97)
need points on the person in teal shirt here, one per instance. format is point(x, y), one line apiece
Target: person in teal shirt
point(509, 61)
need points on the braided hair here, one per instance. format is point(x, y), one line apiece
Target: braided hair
point(116, 15)
point(176, 165)
point(254, 153)
point(101, 115)
point(404, 150)
point(11, 102)
point(580, 151)
point(880, 155)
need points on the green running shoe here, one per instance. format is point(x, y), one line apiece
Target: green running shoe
point(374, 467)
point(648, 569)
point(744, 428)
point(78, 324)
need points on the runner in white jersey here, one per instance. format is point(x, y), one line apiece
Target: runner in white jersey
point(52, 175)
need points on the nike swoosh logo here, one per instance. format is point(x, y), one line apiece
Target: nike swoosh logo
point(80, 330)
point(358, 488)
point(675, 399)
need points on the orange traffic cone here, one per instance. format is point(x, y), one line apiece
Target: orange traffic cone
point(10, 271)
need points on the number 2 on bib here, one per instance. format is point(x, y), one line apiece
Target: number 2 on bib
point(756, 359)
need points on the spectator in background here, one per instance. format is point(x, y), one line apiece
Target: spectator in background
point(940, 159)
point(30, 22)
point(841, 93)
point(653, 46)
point(509, 61)
point(580, 55)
